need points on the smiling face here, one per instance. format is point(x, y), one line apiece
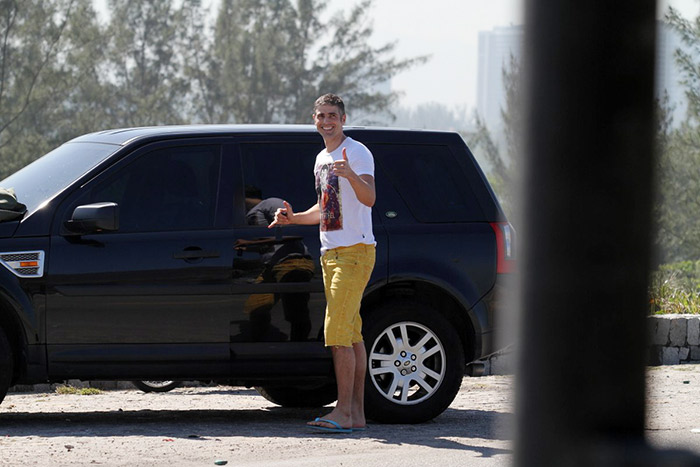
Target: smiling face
point(329, 121)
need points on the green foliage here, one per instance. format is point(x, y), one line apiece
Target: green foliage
point(63, 73)
point(677, 206)
point(686, 58)
point(40, 74)
point(67, 389)
point(677, 210)
point(272, 58)
point(147, 83)
point(504, 163)
point(675, 288)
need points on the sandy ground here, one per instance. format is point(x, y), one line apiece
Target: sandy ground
point(210, 425)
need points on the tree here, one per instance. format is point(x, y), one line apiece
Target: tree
point(144, 61)
point(677, 206)
point(687, 60)
point(63, 74)
point(41, 69)
point(272, 58)
point(504, 163)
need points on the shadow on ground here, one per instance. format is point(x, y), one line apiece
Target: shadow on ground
point(454, 429)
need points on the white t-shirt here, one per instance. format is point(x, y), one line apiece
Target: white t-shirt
point(345, 221)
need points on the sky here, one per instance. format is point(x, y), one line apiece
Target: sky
point(448, 30)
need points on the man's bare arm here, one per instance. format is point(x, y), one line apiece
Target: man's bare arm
point(286, 216)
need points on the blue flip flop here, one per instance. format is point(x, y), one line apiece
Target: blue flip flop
point(362, 428)
point(335, 429)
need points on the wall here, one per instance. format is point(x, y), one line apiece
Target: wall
point(674, 339)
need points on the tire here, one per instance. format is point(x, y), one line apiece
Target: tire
point(415, 363)
point(6, 364)
point(156, 386)
point(300, 396)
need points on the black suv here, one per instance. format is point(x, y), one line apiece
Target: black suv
point(135, 260)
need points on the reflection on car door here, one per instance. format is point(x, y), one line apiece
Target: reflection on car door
point(158, 289)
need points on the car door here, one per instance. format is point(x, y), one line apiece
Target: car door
point(277, 281)
point(153, 297)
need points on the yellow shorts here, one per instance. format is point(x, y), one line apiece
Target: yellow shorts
point(346, 272)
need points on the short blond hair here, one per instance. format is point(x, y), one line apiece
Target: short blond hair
point(330, 99)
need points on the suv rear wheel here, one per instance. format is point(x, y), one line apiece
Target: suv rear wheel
point(6, 364)
point(415, 363)
point(298, 396)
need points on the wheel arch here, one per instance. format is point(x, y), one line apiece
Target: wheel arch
point(440, 298)
point(11, 324)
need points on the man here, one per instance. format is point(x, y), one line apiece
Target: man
point(344, 173)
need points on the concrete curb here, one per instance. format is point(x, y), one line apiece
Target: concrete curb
point(673, 340)
point(76, 383)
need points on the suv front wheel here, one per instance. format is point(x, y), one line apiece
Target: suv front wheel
point(156, 386)
point(415, 363)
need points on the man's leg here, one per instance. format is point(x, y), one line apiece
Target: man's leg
point(350, 364)
point(345, 277)
point(358, 390)
point(344, 364)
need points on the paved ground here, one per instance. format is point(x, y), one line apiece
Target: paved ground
point(200, 426)
point(673, 411)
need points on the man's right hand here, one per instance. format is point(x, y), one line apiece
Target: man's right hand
point(283, 216)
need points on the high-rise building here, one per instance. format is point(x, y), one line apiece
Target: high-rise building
point(495, 50)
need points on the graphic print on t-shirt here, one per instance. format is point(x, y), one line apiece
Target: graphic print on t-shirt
point(328, 190)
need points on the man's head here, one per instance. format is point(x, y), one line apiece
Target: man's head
point(329, 117)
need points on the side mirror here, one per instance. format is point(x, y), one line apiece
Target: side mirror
point(92, 218)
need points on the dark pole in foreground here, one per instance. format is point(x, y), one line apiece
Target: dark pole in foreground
point(586, 233)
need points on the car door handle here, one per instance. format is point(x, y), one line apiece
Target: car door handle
point(196, 254)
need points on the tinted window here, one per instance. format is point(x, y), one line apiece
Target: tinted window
point(47, 176)
point(167, 189)
point(281, 170)
point(430, 181)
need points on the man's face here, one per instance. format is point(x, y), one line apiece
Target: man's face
point(328, 120)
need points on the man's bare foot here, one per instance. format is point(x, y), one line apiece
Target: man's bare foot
point(340, 419)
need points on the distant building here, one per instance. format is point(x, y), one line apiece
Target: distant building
point(497, 46)
point(495, 49)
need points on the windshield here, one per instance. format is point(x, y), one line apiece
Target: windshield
point(44, 178)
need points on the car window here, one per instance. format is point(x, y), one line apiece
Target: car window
point(430, 181)
point(273, 171)
point(56, 170)
point(167, 189)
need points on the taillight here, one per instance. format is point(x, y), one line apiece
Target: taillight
point(505, 238)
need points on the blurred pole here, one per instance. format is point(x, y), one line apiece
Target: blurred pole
point(586, 233)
